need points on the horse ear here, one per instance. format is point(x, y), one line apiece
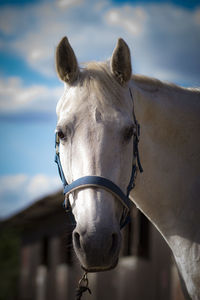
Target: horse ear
point(121, 62)
point(66, 63)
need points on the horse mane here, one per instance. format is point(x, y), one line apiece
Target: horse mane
point(97, 76)
point(153, 85)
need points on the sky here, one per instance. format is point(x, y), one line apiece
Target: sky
point(164, 39)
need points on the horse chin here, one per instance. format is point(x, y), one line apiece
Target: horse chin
point(100, 268)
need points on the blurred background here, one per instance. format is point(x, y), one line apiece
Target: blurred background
point(164, 38)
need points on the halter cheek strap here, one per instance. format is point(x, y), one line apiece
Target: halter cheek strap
point(93, 182)
point(101, 182)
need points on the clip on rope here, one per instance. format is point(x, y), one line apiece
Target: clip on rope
point(82, 286)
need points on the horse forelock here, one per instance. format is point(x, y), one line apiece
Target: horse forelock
point(97, 77)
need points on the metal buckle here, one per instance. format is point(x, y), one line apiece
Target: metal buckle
point(66, 205)
point(57, 143)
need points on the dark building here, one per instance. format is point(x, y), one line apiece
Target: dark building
point(50, 270)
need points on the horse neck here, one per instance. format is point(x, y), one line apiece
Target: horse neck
point(169, 150)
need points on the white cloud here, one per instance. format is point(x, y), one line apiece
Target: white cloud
point(130, 18)
point(68, 3)
point(16, 97)
point(164, 38)
point(18, 191)
point(41, 184)
point(51, 22)
point(11, 18)
point(10, 183)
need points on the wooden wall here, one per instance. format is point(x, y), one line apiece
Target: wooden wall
point(50, 270)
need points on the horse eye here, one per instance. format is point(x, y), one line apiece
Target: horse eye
point(61, 134)
point(128, 133)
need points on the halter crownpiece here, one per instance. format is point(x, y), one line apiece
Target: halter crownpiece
point(101, 182)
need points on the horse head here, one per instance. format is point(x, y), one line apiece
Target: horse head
point(95, 130)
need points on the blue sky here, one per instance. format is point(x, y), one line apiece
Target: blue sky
point(164, 38)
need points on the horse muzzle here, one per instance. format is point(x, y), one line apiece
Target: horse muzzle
point(98, 251)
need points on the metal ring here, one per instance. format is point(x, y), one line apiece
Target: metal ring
point(84, 279)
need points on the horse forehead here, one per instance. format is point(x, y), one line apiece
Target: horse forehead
point(81, 103)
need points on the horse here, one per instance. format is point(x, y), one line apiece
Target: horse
point(98, 116)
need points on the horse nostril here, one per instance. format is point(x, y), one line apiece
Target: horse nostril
point(77, 240)
point(114, 242)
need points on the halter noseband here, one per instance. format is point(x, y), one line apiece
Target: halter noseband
point(101, 182)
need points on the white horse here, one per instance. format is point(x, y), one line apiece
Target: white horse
point(95, 128)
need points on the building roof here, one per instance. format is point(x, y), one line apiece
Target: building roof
point(42, 208)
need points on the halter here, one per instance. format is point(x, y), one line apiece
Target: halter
point(101, 182)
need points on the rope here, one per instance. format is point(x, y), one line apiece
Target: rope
point(80, 290)
point(82, 287)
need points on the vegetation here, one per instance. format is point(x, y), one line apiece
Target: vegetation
point(9, 264)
